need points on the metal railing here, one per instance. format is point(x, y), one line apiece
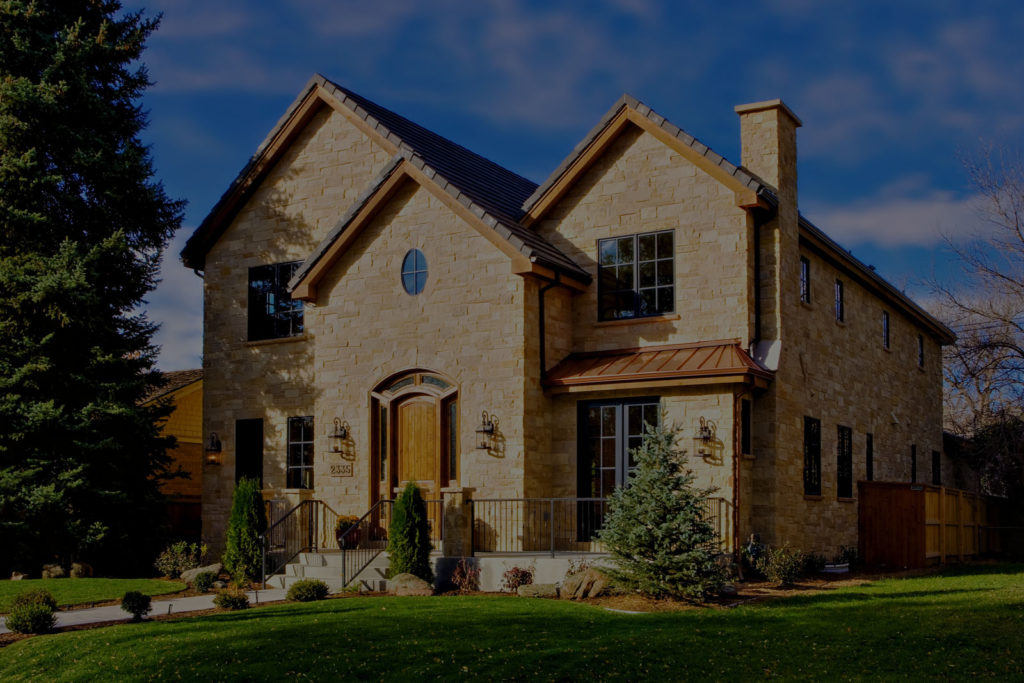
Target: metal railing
point(295, 532)
point(553, 525)
point(368, 537)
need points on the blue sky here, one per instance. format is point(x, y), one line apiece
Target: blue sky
point(893, 96)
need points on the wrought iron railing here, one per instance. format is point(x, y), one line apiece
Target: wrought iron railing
point(553, 525)
point(368, 537)
point(295, 532)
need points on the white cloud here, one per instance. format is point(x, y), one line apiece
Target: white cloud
point(895, 221)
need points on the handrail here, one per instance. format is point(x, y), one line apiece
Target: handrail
point(300, 534)
point(364, 552)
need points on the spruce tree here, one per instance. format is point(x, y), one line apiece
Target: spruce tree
point(409, 536)
point(82, 227)
point(655, 528)
point(243, 552)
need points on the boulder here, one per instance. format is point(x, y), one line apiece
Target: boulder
point(408, 584)
point(189, 575)
point(81, 570)
point(538, 590)
point(588, 584)
point(728, 591)
point(53, 571)
point(220, 585)
point(18, 576)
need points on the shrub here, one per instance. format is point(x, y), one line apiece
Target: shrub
point(35, 596)
point(847, 555)
point(308, 590)
point(814, 563)
point(466, 576)
point(33, 617)
point(137, 604)
point(204, 581)
point(515, 577)
point(782, 565)
point(243, 555)
point(234, 600)
point(655, 528)
point(409, 536)
point(179, 557)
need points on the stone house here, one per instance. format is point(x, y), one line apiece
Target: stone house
point(383, 305)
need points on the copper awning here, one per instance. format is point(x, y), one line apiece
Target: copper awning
point(711, 362)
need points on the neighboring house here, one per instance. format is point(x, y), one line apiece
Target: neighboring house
point(184, 390)
point(364, 270)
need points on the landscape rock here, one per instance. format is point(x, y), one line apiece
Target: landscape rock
point(189, 575)
point(538, 590)
point(220, 585)
point(81, 570)
point(728, 591)
point(53, 571)
point(589, 584)
point(18, 576)
point(408, 584)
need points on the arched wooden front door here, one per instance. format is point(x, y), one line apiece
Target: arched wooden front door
point(418, 444)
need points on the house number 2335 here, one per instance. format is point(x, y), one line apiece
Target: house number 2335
point(342, 470)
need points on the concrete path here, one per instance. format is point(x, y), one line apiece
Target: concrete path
point(195, 603)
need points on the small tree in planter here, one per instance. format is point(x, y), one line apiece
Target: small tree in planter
point(409, 536)
point(243, 556)
point(655, 528)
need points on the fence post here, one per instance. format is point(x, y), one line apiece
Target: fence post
point(551, 523)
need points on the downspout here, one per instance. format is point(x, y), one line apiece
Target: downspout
point(540, 305)
point(757, 279)
point(737, 413)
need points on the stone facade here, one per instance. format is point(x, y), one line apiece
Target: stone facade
point(489, 328)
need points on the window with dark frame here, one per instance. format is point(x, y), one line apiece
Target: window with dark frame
point(885, 329)
point(840, 303)
point(869, 457)
point(636, 275)
point(300, 453)
point(913, 463)
point(249, 449)
point(273, 314)
point(451, 417)
point(812, 456)
point(920, 351)
point(805, 280)
point(936, 468)
point(844, 462)
point(610, 432)
point(745, 426)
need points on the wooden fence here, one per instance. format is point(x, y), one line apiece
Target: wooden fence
point(913, 525)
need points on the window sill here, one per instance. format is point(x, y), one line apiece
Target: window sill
point(887, 349)
point(806, 305)
point(279, 340)
point(810, 497)
point(840, 323)
point(847, 500)
point(637, 321)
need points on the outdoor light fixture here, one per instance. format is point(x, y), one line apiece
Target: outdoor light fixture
point(485, 431)
point(213, 449)
point(705, 434)
point(339, 435)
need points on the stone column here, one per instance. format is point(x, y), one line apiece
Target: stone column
point(458, 531)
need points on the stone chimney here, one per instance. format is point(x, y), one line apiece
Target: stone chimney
point(768, 138)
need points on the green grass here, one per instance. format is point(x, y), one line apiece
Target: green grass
point(954, 625)
point(85, 591)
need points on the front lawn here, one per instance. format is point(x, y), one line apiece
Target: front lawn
point(85, 591)
point(954, 625)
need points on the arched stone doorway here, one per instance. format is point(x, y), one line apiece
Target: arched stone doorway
point(415, 427)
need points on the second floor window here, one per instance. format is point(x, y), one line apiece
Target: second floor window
point(272, 312)
point(885, 329)
point(636, 276)
point(920, 351)
point(805, 280)
point(840, 303)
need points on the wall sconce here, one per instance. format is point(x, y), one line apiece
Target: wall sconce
point(213, 449)
point(485, 432)
point(705, 435)
point(339, 435)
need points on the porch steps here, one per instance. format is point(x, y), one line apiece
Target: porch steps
point(327, 567)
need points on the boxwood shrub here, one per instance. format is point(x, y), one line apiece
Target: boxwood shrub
point(308, 590)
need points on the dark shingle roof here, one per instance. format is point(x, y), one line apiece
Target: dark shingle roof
point(173, 381)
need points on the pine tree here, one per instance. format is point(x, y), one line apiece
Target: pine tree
point(655, 528)
point(243, 552)
point(409, 536)
point(82, 228)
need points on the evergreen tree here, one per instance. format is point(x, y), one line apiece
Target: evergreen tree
point(82, 228)
point(655, 528)
point(243, 553)
point(409, 536)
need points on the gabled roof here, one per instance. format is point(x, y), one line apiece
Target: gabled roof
point(172, 381)
point(509, 235)
point(491, 186)
point(699, 363)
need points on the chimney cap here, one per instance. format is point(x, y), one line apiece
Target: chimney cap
point(766, 105)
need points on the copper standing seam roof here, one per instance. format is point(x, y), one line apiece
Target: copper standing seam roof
point(677, 361)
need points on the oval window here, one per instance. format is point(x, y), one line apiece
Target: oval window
point(414, 271)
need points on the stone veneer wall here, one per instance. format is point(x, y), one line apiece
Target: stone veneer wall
point(321, 174)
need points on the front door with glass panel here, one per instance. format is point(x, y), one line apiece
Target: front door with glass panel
point(611, 430)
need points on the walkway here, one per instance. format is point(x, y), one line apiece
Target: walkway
point(195, 603)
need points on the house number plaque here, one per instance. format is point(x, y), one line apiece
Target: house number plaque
point(341, 470)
